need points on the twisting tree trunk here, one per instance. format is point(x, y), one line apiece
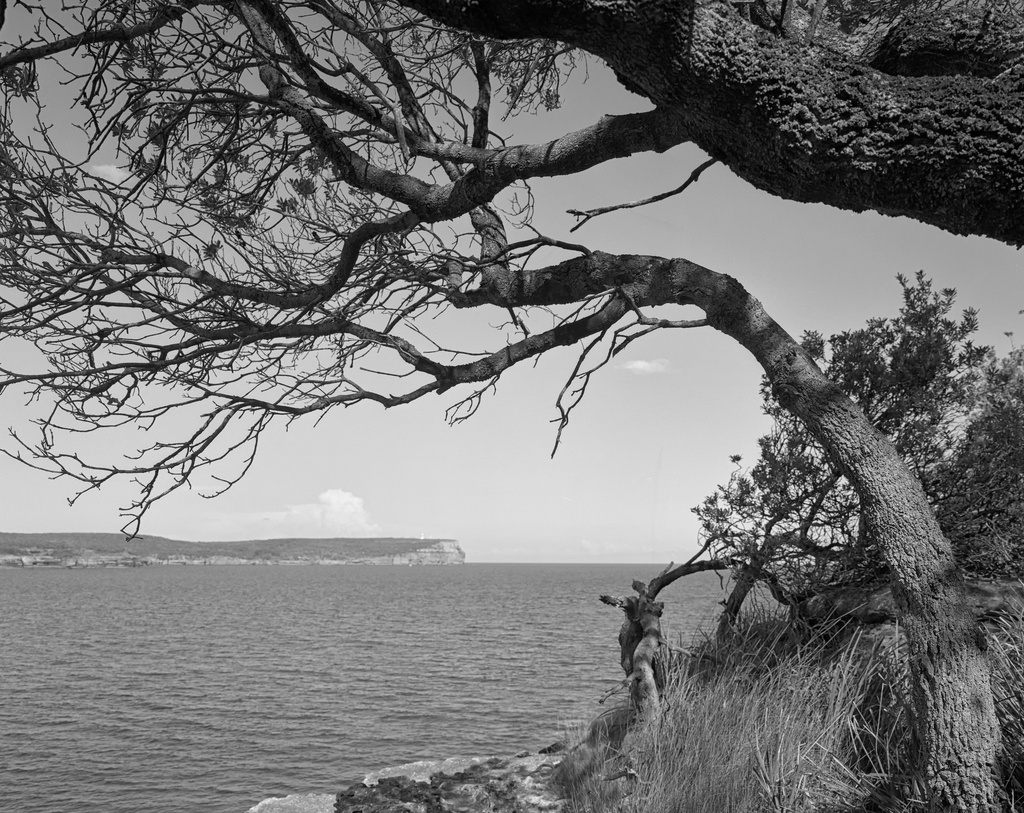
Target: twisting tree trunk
point(743, 582)
point(639, 642)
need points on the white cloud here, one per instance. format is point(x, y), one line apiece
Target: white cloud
point(646, 366)
point(335, 513)
point(112, 173)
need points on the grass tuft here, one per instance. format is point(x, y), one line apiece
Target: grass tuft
point(1007, 648)
point(766, 721)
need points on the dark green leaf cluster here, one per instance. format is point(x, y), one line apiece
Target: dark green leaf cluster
point(978, 488)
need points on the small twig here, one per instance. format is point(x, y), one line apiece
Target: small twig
point(618, 687)
point(571, 396)
point(522, 85)
point(703, 549)
point(589, 214)
point(677, 649)
point(544, 240)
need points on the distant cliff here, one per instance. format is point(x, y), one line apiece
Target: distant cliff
point(114, 550)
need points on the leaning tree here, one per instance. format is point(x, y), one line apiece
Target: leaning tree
point(308, 179)
point(792, 521)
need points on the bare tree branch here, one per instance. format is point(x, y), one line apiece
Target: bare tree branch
point(588, 214)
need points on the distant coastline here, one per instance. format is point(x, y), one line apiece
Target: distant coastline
point(115, 550)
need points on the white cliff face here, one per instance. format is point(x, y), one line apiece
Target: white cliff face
point(441, 553)
point(445, 552)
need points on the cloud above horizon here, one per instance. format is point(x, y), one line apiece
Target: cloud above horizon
point(646, 366)
point(335, 513)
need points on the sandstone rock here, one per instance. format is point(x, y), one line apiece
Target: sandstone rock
point(440, 553)
point(520, 784)
point(299, 803)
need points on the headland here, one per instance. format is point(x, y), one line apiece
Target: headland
point(118, 550)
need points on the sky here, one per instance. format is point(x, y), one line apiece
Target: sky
point(655, 432)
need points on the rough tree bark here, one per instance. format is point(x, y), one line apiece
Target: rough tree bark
point(810, 123)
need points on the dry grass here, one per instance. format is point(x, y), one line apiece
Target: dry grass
point(767, 725)
point(1007, 647)
point(584, 774)
point(764, 724)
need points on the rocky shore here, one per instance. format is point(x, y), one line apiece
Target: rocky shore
point(519, 784)
point(114, 550)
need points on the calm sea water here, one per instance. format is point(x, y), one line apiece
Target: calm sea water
point(169, 689)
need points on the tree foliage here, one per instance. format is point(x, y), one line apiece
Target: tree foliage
point(255, 210)
point(953, 412)
point(265, 206)
point(978, 488)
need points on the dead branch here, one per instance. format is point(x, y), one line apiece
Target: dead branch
point(640, 637)
point(590, 214)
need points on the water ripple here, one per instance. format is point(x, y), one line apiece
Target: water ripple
point(158, 690)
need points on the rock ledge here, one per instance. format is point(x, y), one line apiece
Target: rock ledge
point(519, 784)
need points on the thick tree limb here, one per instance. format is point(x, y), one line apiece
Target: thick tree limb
point(164, 15)
point(799, 121)
point(611, 137)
